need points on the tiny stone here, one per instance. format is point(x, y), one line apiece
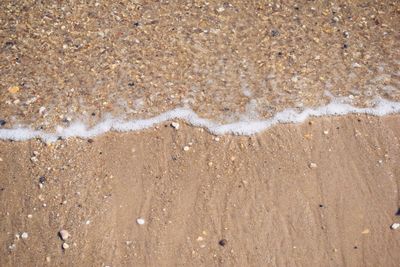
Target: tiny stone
point(48, 259)
point(64, 234)
point(312, 165)
point(42, 179)
point(186, 148)
point(24, 235)
point(42, 110)
point(395, 226)
point(223, 242)
point(2, 122)
point(140, 221)
point(30, 216)
point(274, 33)
point(221, 9)
point(12, 247)
point(217, 139)
point(326, 132)
point(175, 125)
point(65, 246)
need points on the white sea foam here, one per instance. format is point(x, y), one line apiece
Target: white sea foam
point(78, 129)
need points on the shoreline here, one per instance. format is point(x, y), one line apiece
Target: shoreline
point(382, 107)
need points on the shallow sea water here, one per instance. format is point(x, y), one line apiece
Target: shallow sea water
point(236, 61)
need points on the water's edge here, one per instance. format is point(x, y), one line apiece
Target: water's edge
point(78, 129)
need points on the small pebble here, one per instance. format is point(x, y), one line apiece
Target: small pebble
point(175, 125)
point(326, 132)
point(42, 179)
point(186, 148)
point(12, 247)
point(274, 33)
point(65, 246)
point(223, 242)
point(13, 89)
point(64, 234)
point(395, 226)
point(312, 165)
point(220, 9)
point(2, 122)
point(140, 221)
point(24, 235)
point(30, 216)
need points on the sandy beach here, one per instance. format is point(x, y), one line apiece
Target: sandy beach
point(321, 193)
point(199, 133)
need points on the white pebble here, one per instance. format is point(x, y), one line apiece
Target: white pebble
point(30, 216)
point(186, 148)
point(326, 132)
point(175, 125)
point(313, 165)
point(64, 234)
point(42, 110)
point(65, 246)
point(24, 235)
point(395, 226)
point(140, 221)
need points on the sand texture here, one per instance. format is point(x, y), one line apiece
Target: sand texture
point(259, 194)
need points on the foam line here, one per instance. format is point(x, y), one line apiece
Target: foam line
point(382, 107)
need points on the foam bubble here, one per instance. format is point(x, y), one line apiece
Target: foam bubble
point(78, 129)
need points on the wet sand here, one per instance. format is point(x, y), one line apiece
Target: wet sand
point(259, 194)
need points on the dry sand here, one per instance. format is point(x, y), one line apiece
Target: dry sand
point(257, 193)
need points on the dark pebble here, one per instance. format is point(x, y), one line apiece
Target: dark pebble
point(90, 141)
point(398, 212)
point(131, 84)
point(223, 242)
point(345, 46)
point(2, 122)
point(321, 206)
point(136, 24)
point(274, 33)
point(9, 44)
point(42, 179)
point(355, 247)
point(93, 114)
